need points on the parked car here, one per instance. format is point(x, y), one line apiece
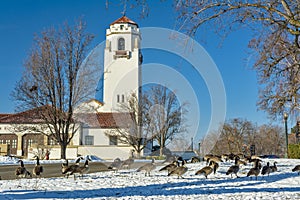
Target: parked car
point(186, 155)
point(269, 156)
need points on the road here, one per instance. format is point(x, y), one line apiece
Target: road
point(7, 172)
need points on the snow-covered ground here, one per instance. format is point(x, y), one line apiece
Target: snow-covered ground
point(129, 184)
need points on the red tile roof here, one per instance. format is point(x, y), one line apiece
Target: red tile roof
point(96, 120)
point(4, 115)
point(104, 120)
point(124, 19)
point(28, 116)
point(113, 120)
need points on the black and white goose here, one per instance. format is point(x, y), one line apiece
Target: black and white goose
point(81, 170)
point(64, 167)
point(274, 167)
point(207, 170)
point(255, 170)
point(266, 169)
point(38, 169)
point(170, 167)
point(127, 163)
point(67, 170)
point(180, 170)
point(215, 159)
point(147, 168)
point(234, 169)
point(296, 169)
point(116, 165)
point(21, 171)
point(257, 162)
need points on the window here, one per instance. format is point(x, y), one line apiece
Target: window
point(52, 142)
point(89, 140)
point(121, 27)
point(1, 141)
point(123, 98)
point(14, 144)
point(113, 140)
point(7, 141)
point(121, 44)
point(118, 98)
point(29, 142)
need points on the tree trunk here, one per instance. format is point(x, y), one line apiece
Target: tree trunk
point(161, 150)
point(63, 150)
point(138, 153)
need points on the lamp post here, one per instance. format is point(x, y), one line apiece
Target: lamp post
point(285, 117)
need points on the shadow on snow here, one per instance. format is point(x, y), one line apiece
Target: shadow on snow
point(188, 186)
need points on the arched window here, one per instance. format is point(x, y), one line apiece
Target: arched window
point(121, 44)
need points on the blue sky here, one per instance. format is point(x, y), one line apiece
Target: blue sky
point(20, 20)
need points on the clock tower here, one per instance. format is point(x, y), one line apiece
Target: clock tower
point(122, 63)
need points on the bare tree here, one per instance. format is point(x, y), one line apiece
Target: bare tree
point(181, 142)
point(276, 26)
point(156, 115)
point(129, 129)
point(235, 136)
point(208, 144)
point(56, 80)
point(270, 140)
point(164, 116)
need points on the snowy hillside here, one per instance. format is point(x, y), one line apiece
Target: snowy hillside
point(129, 184)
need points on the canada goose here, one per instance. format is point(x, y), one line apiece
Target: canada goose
point(215, 159)
point(253, 157)
point(234, 168)
point(215, 166)
point(225, 157)
point(21, 171)
point(207, 170)
point(116, 165)
point(38, 169)
point(242, 162)
point(266, 169)
point(147, 168)
point(170, 159)
point(179, 171)
point(67, 170)
point(127, 163)
point(170, 167)
point(274, 167)
point(207, 156)
point(255, 170)
point(257, 162)
point(232, 156)
point(82, 169)
point(195, 159)
point(64, 166)
point(296, 169)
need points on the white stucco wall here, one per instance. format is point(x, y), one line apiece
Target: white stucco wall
point(99, 136)
point(106, 152)
point(122, 75)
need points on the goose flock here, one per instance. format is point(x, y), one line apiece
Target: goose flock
point(76, 169)
point(177, 166)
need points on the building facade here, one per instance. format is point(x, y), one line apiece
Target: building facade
point(122, 63)
point(122, 76)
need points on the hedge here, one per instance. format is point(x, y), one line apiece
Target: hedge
point(294, 151)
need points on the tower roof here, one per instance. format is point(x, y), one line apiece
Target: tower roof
point(124, 19)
